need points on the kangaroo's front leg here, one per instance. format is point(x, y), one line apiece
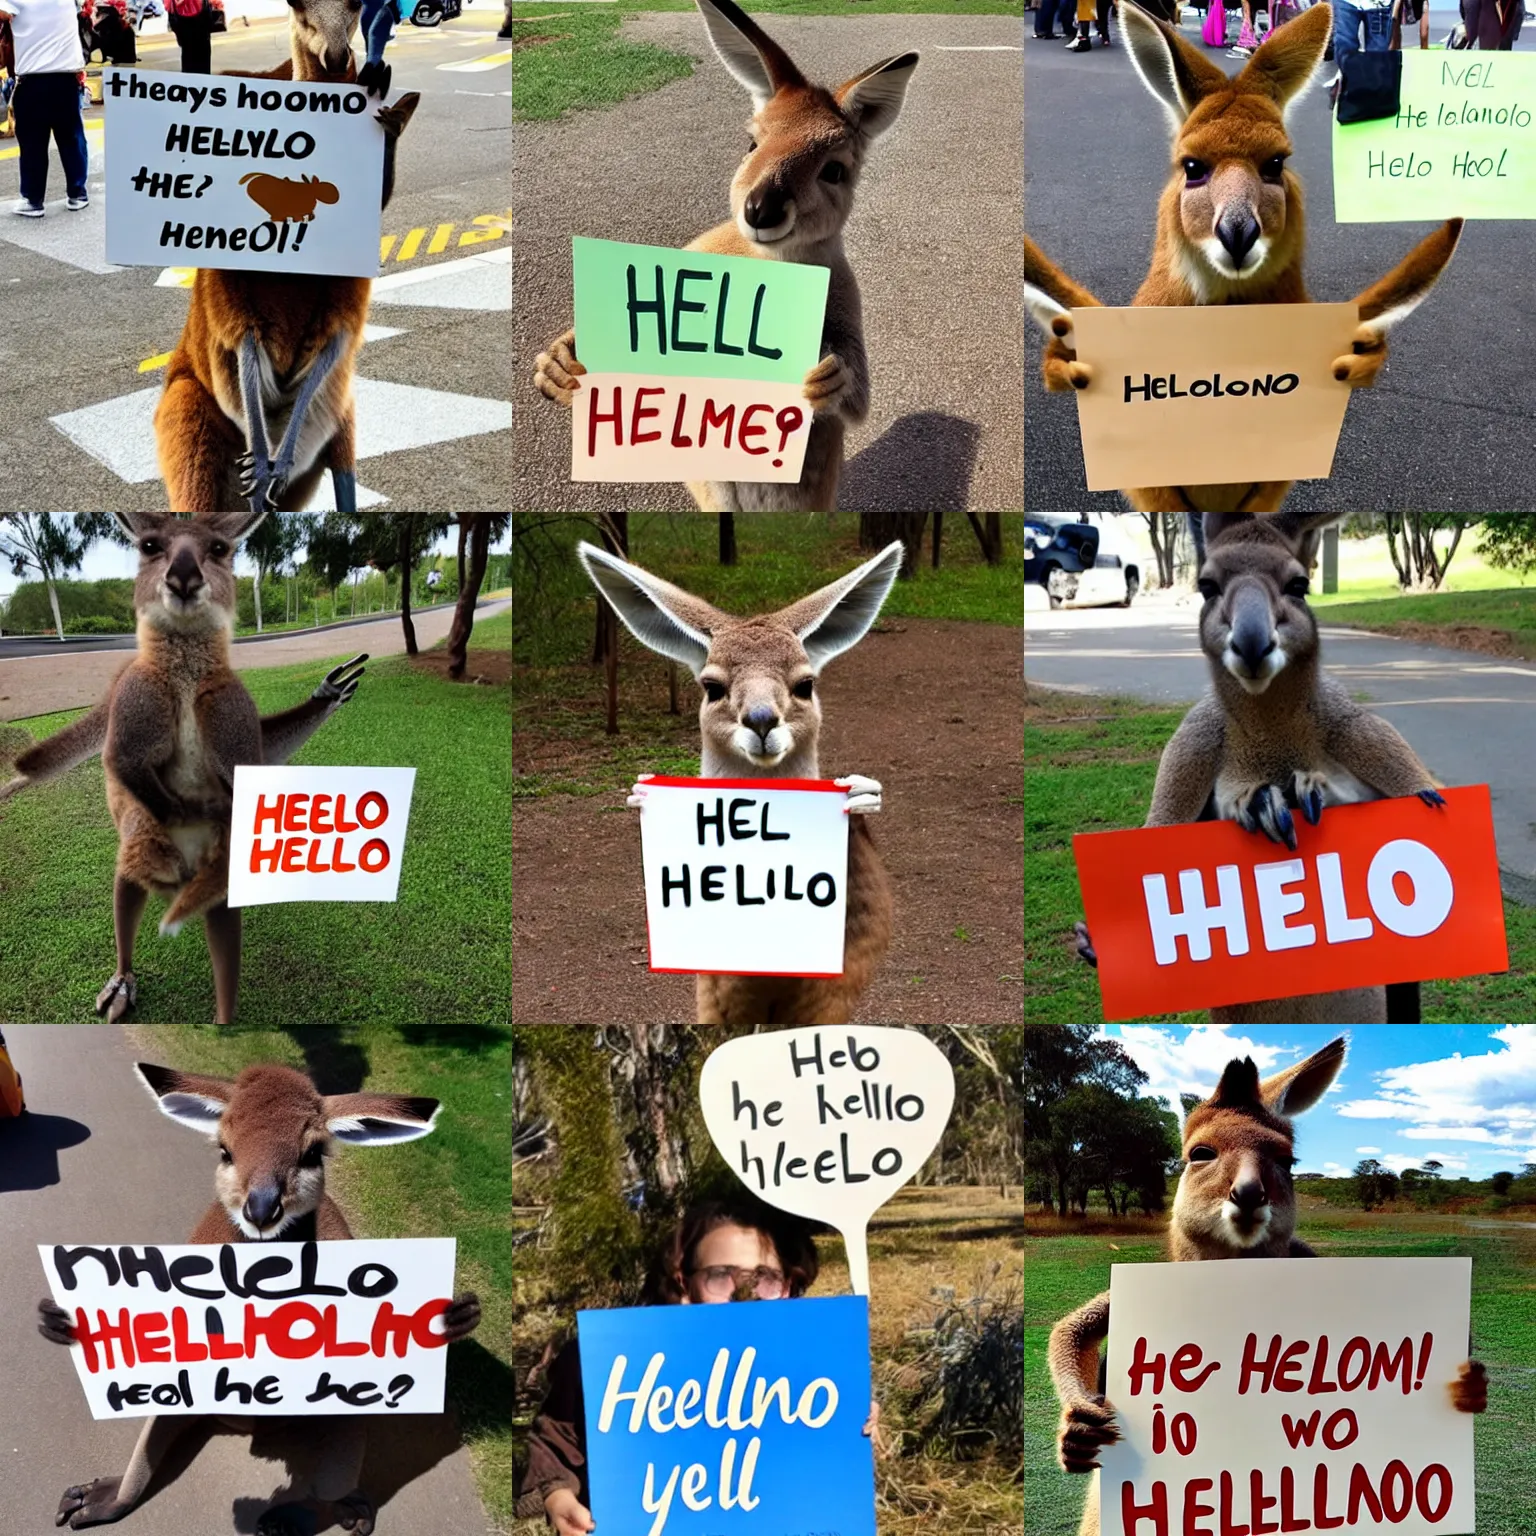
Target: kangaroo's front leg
point(839, 383)
point(864, 795)
point(325, 361)
point(257, 483)
point(1087, 1419)
point(1469, 1392)
point(557, 372)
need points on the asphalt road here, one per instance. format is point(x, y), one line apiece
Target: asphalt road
point(77, 337)
point(933, 239)
point(94, 1161)
point(39, 685)
point(1450, 426)
point(1469, 717)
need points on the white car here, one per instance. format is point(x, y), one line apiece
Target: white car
point(1077, 571)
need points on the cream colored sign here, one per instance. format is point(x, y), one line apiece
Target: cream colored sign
point(1211, 394)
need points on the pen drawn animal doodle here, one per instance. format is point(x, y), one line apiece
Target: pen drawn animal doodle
point(284, 199)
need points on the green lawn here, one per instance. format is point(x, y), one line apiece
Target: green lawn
point(440, 952)
point(1089, 765)
point(1063, 1272)
point(453, 1183)
point(1508, 611)
point(571, 57)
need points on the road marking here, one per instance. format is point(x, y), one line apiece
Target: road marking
point(482, 93)
point(474, 66)
point(482, 281)
point(982, 48)
point(483, 228)
point(12, 154)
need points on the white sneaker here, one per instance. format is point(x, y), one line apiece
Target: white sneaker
point(75, 204)
point(27, 210)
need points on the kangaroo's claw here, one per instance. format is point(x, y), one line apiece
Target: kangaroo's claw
point(557, 372)
point(355, 1513)
point(394, 118)
point(1431, 797)
point(340, 683)
point(636, 801)
point(118, 996)
point(1086, 1427)
point(89, 1504)
point(1469, 1392)
point(864, 795)
point(54, 1323)
point(462, 1316)
point(1359, 366)
point(375, 78)
point(1085, 949)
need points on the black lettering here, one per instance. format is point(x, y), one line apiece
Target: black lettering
point(638, 307)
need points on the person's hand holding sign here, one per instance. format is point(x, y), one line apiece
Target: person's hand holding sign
point(568, 1515)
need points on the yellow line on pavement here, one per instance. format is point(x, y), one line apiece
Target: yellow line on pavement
point(411, 244)
point(11, 154)
point(150, 364)
point(474, 66)
point(439, 241)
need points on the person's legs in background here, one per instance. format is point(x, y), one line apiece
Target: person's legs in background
point(1083, 43)
point(195, 34)
point(1347, 19)
point(69, 134)
point(31, 142)
point(1103, 22)
point(1378, 28)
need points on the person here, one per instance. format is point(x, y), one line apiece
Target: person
point(1492, 24)
point(192, 23)
point(379, 17)
point(46, 101)
point(1374, 16)
point(722, 1250)
point(1046, 15)
point(1420, 12)
point(1089, 11)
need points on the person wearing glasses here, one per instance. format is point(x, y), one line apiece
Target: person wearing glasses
point(721, 1251)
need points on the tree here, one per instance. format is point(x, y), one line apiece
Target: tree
point(1371, 1188)
point(1501, 1182)
point(1432, 1168)
point(727, 538)
point(53, 544)
point(877, 529)
point(481, 527)
point(1421, 564)
point(345, 541)
point(1509, 541)
point(274, 543)
point(1164, 528)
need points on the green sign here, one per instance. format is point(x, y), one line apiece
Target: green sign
point(648, 309)
point(1463, 144)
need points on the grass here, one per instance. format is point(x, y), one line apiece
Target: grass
point(568, 59)
point(1089, 765)
point(454, 1182)
point(439, 952)
point(1065, 1271)
point(1507, 614)
point(923, 1241)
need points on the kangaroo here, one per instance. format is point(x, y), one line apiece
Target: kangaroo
point(174, 725)
point(258, 393)
point(760, 717)
point(790, 198)
point(274, 1131)
point(1235, 1201)
point(1230, 227)
point(1275, 731)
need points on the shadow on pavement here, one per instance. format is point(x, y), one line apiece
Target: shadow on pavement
point(30, 1147)
point(922, 463)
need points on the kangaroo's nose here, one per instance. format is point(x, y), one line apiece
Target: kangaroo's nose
point(1248, 1195)
point(263, 1202)
point(1253, 635)
point(1237, 231)
point(182, 576)
point(764, 210)
point(761, 719)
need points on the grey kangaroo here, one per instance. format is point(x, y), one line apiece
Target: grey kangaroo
point(172, 729)
point(1235, 1201)
point(274, 1131)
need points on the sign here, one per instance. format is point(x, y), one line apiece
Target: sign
point(1211, 394)
point(247, 1328)
point(828, 1123)
point(318, 834)
point(242, 174)
point(1463, 144)
point(745, 877)
point(729, 1420)
point(1208, 914)
point(695, 363)
point(1288, 1397)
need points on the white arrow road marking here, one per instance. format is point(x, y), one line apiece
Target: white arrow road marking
point(482, 281)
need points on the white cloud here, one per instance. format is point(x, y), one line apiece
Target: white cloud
point(1369, 1151)
point(1337, 1170)
point(1453, 1162)
point(1195, 1063)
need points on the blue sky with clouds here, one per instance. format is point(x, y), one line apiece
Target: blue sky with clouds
point(1462, 1093)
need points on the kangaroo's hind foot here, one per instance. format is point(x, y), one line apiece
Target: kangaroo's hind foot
point(95, 1503)
point(118, 996)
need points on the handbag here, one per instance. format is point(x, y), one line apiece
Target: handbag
point(1370, 86)
point(1213, 32)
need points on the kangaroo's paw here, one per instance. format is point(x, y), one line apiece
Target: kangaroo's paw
point(636, 801)
point(462, 1317)
point(1086, 1427)
point(1310, 791)
point(1259, 808)
point(1059, 364)
point(827, 384)
point(288, 1520)
point(1431, 797)
point(557, 372)
point(118, 996)
point(1469, 1392)
point(170, 926)
point(355, 1513)
point(12, 786)
point(54, 1323)
point(864, 795)
point(260, 482)
point(392, 119)
point(1358, 368)
point(91, 1504)
point(340, 683)
point(1085, 949)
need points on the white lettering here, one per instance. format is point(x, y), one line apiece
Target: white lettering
point(1433, 891)
point(1338, 926)
point(1276, 904)
point(1196, 920)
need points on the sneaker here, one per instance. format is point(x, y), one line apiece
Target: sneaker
point(27, 210)
point(1103, 42)
point(75, 204)
point(1080, 45)
point(1239, 53)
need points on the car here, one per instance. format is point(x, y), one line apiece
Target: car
point(1078, 562)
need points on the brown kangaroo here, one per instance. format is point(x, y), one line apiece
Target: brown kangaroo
point(274, 1130)
point(1235, 1201)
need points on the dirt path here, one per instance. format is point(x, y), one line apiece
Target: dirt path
point(39, 685)
point(929, 707)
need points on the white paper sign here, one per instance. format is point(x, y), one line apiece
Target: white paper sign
point(318, 834)
point(745, 877)
point(828, 1123)
point(242, 174)
point(248, 1328)
point(1292, 1396)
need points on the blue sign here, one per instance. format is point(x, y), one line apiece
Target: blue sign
point(739, 1419)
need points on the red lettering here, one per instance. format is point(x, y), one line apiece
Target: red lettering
point(336, 864)
point(295, 816)
point(373, 803)
point(105, 1334)
point(183, 1349)
point(265, 860)
point(596, 416)
point(1157, 1511)
point(1333, 1437)
point(1362, 1348)
point(375, 850)
point(678, 440)
point(749, 428)
point(1193, 1508)
point(293, 856)
point(643, 412)
point(1385, 1367)
point(403, 1328)
point(320, 814)
point(711, 418)
point(1325, 1521)
point(220, 1348)
point(1186, 1357)
point(1319, 1365)
point(150, 1339)
point(277, 1328)
point(1360, 1489)
point(342, 824)
point(1435, 1512)
point(1288, 1518)
point(1396, 1504)
point(309, 864)
point(1140, 1366)
point(1258, 1502)
point(1227, 1527)
point(272, 813)
point(1251, 1364)
point(1288, 1377)
point(1300, 1431)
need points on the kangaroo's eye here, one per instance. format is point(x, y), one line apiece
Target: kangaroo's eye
point(1273, 168)
point(218, 549)
point(804, 688)
point(149, 546)
point(713, 691)
point(834, 171)
point(224, 1156)
point(313, 1156)
point(1208, 589)
point(1202, 1154)
point(1297, 586)
point(1196, 172)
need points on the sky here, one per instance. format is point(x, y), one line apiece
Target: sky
point(1462, 1093)
point(105, 559)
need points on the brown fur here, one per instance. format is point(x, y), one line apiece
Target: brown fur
point(1234, 129)
point(1246, 1125)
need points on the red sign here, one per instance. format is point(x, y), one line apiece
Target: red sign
point(1207, 914)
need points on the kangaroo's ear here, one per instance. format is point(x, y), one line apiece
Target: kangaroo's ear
point(378, 1119)
point(1238, 1088)
point(839, 615)
point(873, 99)
point(1176, 72)
point(1287, 59)
point(134, 524)
point(1301, 1086)
point(235, 526)
point(657, 614)
point(1403, 289)
point(747, 51)
point(189, 1098)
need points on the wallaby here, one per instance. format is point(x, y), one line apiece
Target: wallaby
point(760, 717)
point(174, 725)
point(266, 358)
point(274, 1131)
point(1235, 1201)
point(790, 198)
point(1230, 227)
point(1275, 732)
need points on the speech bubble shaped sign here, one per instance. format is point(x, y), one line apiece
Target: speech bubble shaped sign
point(828, 1123)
